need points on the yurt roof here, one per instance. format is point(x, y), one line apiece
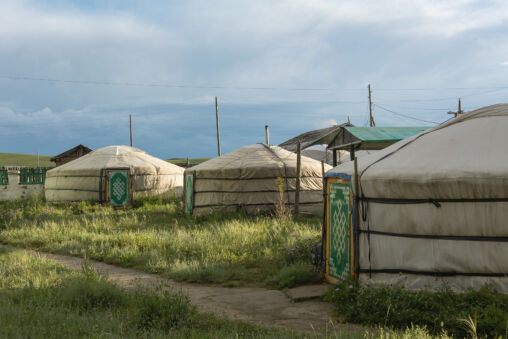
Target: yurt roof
point(119, 157)
point(462, 158)
point(257, 161)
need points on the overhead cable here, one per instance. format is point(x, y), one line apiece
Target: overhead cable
point(406, 116)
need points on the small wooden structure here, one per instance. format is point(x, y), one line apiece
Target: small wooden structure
point(70, 155)
point(352, 138)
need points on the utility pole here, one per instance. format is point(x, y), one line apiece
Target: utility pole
point(130, 126)
point(267, 135)
point(459, 110)
point(38, 165)
point(217, 123)
point(372, 122)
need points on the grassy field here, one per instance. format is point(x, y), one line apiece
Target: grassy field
point(234, 250)
point(157, 237)
point(41, 299)
point(30, 160)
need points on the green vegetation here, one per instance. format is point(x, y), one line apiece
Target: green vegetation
point(41, 299)
point(29, 160)
point(484, 312)
point(183, 161)
point(157, 237)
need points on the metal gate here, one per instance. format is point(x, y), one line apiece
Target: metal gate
point(339, 216)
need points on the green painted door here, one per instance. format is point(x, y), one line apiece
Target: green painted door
point(339, 237)
point(118, 184)
point(189, 190)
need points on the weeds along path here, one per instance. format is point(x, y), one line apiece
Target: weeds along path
point(261, 306)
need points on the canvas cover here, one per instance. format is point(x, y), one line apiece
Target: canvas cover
point(80, 178)
point(248, 178)
point(431, 212)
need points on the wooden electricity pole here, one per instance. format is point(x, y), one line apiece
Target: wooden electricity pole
point(372, 122)
point(217, 123)
point(130, 126)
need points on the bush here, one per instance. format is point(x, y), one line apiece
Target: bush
point(166, 311)
point(294, 275)
point(436, 310)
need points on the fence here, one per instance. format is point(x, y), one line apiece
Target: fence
point(4, 177)
point(33, 176)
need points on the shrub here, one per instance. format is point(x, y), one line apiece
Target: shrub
point(436, 310)
point(294, 275)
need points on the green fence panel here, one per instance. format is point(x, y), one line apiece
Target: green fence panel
point(33, 176)
point(4, 176)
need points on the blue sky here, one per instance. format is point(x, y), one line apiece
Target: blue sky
point(419, 56)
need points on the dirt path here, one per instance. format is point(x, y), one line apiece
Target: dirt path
point(261, 306)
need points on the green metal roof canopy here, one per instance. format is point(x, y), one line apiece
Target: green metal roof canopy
point(372, 138)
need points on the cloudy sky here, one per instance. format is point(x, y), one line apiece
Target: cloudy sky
point(72, 71)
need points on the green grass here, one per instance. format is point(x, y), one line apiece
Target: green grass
point(436, 311)
point(183, 161)
point(29, 160)
point(41, 299)
point(157, 237)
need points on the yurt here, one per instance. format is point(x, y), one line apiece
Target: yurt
point(113, 173)
point(424, 212)
point(251, 178)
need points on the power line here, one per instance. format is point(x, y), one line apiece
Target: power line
point(135, 84)
point(162, 85)
point(417, 108)
point(406, 116)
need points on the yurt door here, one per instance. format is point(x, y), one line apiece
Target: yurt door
point(338, 216)
point(118, 186)
point(189, 193)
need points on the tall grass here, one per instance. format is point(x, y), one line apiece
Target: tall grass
point(157, 237)
point(482, 313)
point(41, 299)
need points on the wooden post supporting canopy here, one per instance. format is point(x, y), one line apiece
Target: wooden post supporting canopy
point(298, 170)
point(357, 220)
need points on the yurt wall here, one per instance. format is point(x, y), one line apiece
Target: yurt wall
point(252, 178)
point(427, 213)
point(84, 178)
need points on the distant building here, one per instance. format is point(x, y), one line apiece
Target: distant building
point(70, 155)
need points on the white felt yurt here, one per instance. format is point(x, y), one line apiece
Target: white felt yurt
point(250, 178)
point(426, 211)
point(83, 178)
